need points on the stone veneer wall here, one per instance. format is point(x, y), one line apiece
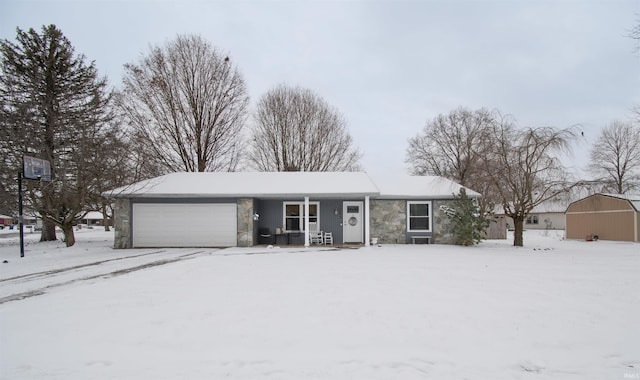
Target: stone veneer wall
point(441, 223)
point(122, 224)
point(245, 222)
point(388, 221)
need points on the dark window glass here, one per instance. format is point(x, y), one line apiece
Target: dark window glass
point(419, 224)
point(418, 216)
point(419, 209)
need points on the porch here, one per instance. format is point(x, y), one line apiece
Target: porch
point(306, 221)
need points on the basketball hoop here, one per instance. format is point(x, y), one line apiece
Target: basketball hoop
point(36, 169)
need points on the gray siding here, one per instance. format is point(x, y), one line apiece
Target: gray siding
point(271, 214)
point(329, 221)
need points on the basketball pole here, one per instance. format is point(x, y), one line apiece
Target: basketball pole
point(20, 215)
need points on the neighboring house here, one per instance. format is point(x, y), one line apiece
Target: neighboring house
point(6, 220)
point(546, 216)
point(30, 219)
point(604, 216)
point(93, 218)
point(245, 209)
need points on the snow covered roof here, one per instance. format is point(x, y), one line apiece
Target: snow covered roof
point(291, 184)
point(407, 187)
point(551, 206)
point(97, 215)
point(253, 184)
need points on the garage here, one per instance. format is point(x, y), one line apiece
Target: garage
point(184, 225)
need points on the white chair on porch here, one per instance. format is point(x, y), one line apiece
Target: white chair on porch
point(315, 236)
point(328, 238)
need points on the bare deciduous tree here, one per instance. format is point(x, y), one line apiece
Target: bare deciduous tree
point(635, 34)
point(449, 145)
point(296, 130)
point(188, 102)
point(615, 157)
point(524, 170)
point(452, 146)
point(116, 162)
point(514, 168)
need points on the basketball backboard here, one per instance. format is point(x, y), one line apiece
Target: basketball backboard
point(36, 168)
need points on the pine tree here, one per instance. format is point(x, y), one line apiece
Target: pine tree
point(467, 223)
point(55, 108)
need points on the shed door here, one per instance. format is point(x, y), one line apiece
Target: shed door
point(184, 225)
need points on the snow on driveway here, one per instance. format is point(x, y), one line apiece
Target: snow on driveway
point(552, 310)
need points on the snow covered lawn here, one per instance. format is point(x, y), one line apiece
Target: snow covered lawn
point(552, 310)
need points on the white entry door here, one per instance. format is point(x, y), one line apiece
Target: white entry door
point(353, 222)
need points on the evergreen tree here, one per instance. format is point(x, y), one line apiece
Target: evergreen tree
point(467, 223)
point(54, 107)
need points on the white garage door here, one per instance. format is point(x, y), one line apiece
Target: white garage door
point(184, 225)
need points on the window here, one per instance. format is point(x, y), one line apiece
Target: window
point(418, 216)
point(532, 219)
point(294, 215)
point(353, 209)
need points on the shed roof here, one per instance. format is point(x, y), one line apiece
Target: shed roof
point(634, 199)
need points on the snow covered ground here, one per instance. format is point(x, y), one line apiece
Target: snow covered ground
point(552, 310)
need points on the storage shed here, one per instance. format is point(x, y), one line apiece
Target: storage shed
point(604, 216)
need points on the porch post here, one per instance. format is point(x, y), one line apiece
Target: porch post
point(367, 210)
point(306, 221)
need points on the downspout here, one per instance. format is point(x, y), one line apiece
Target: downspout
point(367, 238)
point(306, 221)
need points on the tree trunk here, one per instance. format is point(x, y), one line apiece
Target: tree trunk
point(69, 237)
point(48, 230)
point(518, 225)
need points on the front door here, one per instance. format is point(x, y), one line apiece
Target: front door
point(352, 222)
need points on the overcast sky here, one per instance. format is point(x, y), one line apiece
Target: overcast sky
point(388, 66)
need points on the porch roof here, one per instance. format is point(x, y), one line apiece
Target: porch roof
point(252, 185)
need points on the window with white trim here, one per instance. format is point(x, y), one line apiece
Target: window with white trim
point(532, 219)
point(418, 216)
point(293, 215)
